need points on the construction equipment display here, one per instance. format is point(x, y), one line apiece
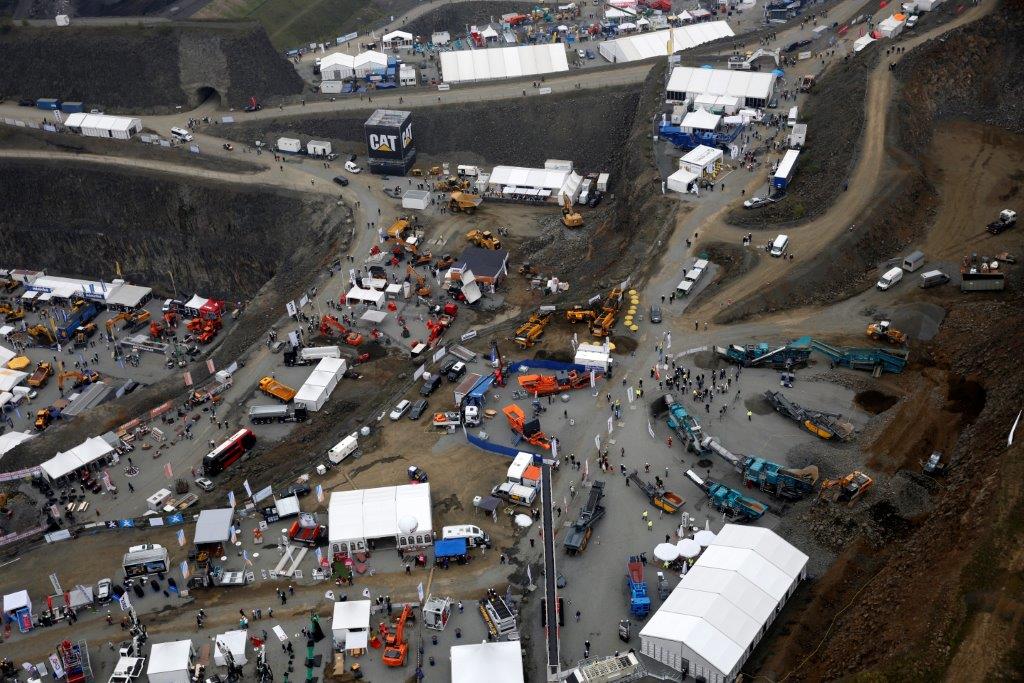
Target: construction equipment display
point(526, 430)
point(850, 487)
point(529, 332)
point(729, 501)
point(546, 385)
point(84, 315)
point(330, 324)
point(464, 202)
point(786, 357)
point(396, 647)
point(422, 289)
point(11, 314)
point(500, 620)
point(578, 314)
point(663, 500)
point(684, 424)
point(579, 534)
point(605, 318)
point(875, 361)
point(41, 375)
point(570, 218)
point(770, 477)
point(823, 425)
point(80, 379)
point(485, 239)
point(883, 330)
point(639, 600)
point(42, 335)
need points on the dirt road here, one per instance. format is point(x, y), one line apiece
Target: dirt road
point(809, 240)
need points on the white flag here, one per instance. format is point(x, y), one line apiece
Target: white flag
point(650, 430)
point(529, 575)
point(668, 340)
point(319, 493)
point(554, 448)
point(586, 468)
point(419, 591)
point(597, 441)
point(124, 602)
point(248, 490)
point(181, 537)
point(231, 498)
point(611, 424)
point(1009, 440)
point(184, 570)
point(593, 382)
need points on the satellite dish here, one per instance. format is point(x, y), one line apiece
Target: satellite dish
point(407, 524)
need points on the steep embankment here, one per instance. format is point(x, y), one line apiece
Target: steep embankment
point(143, 69)
point(169, 234)
point(455, 17)
point(588, 127)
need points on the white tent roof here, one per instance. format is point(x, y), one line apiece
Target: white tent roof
point(6, 355)
point(90, 450)
point(679, 180)
point(396, 35)
point(351, 614)
point(767, 544)
point(11, 378)
point(197, 302)
point(359, 294)
point(722, 605)
point(9, 440)
point(124, 294)
point(235, 642)
point(663, 43)
point(701, 120)
point(862, 42)
point(101, 121)
point(337, 59)
point(489, 32)
point(891, 22)
point(16, 600)
point(168, 657)
point(375, 513)
point(370, 57)
point(720, 82)
point(214, 526)
point(702, 155)
point(505, 62)
point(498, 662)
point(332, 365)
point(519, 176)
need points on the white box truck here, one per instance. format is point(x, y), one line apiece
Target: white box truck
point(344, 448)
point(290, 145)
point(474, 535)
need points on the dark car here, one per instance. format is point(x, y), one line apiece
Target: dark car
point(430, 385)
point(655, 314)
point(457, 371)
point(418, 408)
point(341, 180)
point(792, 47)
point(299, 490)
point(26, 102)
point(447, 366)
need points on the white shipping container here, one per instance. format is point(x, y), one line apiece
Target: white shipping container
point(289, 145)
point(343, 449)
point(318, 148)
point(602, 182)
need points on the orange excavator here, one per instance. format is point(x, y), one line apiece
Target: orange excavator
point(330, 324)
point(421, 282)
point(546, 385)
point(81, 379)
point(530, 431)
point(396, 647)
point(578, 314)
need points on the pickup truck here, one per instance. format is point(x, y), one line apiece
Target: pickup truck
point(271, 387)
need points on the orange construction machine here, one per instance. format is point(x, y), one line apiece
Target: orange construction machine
point(545, 385)
point(396, 647)
point(329, 325)
point(529, 430)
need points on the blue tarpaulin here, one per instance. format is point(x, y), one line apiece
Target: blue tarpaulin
point(452, 547)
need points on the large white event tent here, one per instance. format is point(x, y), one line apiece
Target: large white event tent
point(663, 43)
point(399, 512)
point(462, 66)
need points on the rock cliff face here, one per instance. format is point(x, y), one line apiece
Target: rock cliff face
point(141, 69)
point(168, 234)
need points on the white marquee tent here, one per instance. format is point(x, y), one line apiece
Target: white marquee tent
point(8, 440)
point(169, 662)
point(351, 624)
point(399, 512)
point(337, 67)
point(396, 39)
point(11, 378)
point(87, 452)
point(6, 355)
point(235, 642)
point(497, 662)
point(680, 181)
point(745, 85)
point(369, 62)
point(663, 43)
point(462, 66)
point(723, 606)
point(103, 126)
point(701, 119)
point(371, 296)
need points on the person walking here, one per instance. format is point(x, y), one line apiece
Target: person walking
point(644, 515)
point(749, 416)
point(578, 617)
point(650, 525)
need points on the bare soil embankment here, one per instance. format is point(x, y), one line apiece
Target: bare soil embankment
point(455, 17)
point(141, 69)
point(588, 127)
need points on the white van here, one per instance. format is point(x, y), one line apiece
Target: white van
point(793, 117)
point(891, 277)
point(780, 245)
point(474, 535)
point(182, 134)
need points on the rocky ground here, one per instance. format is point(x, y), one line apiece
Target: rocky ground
point(182, 66)
point(454, 17)
point(517, 132)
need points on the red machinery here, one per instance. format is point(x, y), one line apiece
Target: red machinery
point(396, 648)
point(546, 385)
point(329, 324)
point(528, 430)
point(499, 365)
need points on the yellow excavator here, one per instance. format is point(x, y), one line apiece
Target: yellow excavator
point(578, 314)
point(485, 239)
point(451, 184)
point(42, 335)
point(570, 217)
point(12, 314)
